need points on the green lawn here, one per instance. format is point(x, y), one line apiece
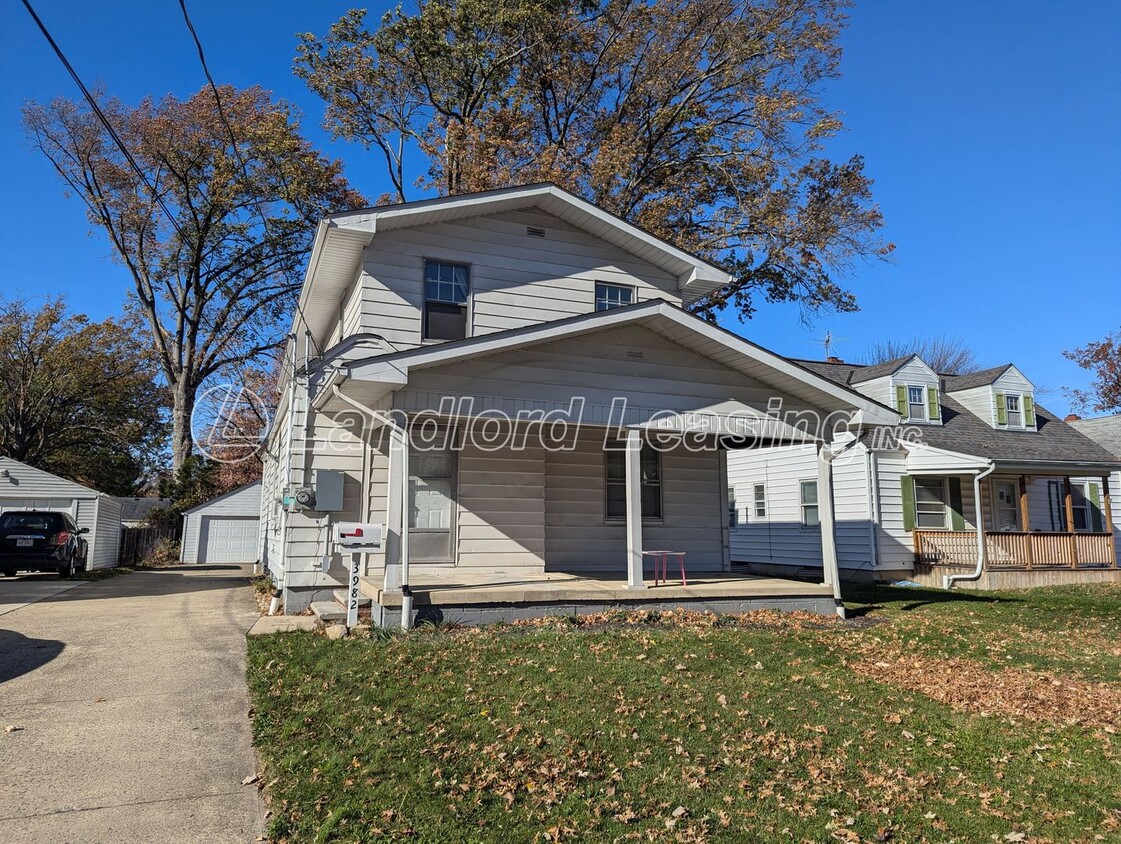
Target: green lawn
point(927, 717)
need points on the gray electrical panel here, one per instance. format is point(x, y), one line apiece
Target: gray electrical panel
point(328, 491)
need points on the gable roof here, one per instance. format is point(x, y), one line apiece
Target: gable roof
point(341, 239)
point(49, 484)
point(980, 378)
point(962, 432)
point(135, 509)
point(222, 497)
point(669, 321)
point(1105, 430)
point(880, 370)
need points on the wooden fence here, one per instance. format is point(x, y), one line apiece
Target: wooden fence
point(137, 544)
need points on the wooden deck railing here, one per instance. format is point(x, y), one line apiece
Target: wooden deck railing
point(1015, 550)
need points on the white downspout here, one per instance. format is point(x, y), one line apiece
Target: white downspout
point(388, 421)
point(948, 580)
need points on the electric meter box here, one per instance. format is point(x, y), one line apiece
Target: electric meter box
point(358, 536)
point(328, 491)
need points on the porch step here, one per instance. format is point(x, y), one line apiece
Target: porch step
point(328, 611)
point(340, 599)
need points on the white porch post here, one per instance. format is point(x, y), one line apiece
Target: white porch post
point(830, 570)
point(634, 509)
point(396, 540)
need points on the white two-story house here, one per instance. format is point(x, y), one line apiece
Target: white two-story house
point(508, 383)
point(972, 451)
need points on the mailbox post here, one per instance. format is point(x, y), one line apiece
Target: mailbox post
point(358, 538)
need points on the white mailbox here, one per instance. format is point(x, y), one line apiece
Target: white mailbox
point(357, 537)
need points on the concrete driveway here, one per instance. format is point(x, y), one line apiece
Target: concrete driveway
point(16, 592)
point(132, 701)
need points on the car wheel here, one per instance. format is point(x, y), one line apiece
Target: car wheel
point(66, 570)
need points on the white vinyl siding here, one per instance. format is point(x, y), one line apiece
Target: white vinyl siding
point(516, 280)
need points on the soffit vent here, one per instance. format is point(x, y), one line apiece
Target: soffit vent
point(534, 231)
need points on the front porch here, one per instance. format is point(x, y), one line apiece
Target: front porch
point(483, 596)
point(1016, 550)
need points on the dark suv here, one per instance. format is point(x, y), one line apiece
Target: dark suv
point(38, 541)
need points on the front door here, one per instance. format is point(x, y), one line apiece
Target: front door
point(1006, 507)
point(432, 506)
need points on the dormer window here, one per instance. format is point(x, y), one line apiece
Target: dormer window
point(916, 403)
point(446, 287)
point(1015, 417)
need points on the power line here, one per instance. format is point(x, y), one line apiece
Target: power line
point(96, 108)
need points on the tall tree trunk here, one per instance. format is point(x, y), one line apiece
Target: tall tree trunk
point(182, 406)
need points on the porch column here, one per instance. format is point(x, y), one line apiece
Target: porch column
point(825, 517)
point(1025, 522)
point(396, 539)
point(634, 509)
point(1107, 514)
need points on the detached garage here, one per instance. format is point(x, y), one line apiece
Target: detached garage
point(225, 529)
point(25, 488)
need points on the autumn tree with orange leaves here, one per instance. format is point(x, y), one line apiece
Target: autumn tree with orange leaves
point(214, 229)
point(1103, 359)
point(700, 120)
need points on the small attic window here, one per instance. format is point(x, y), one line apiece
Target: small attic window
point(534, 231)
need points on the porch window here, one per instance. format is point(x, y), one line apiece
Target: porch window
point(932, 508)
point(615, 483)
point(609, 296)
point(760, 501)
point(1055, 506)
point(916, 403)
point(1014, 415)
point(1080, 503)
point(446, 287)
point(811, 515)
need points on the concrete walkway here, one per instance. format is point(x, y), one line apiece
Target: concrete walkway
point(132, 701)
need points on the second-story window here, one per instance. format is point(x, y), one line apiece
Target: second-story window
point(446, 287)
point(610, 296)
point(1015, 417)
point(916, 402)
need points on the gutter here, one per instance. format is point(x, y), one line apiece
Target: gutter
point(949, 580)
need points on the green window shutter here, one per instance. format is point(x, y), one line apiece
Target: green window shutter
point(901, 399)
point(1029, 412)
point(1097, 525)
point(957, 517)
point(933, 407)
point(1001, 410)
point(907, 487)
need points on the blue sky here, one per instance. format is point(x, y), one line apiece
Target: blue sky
point(993, 131)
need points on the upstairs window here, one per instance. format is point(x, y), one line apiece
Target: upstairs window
point(609, 296)
point(446, 287)
point(916, 403)
point(1015, 417)
point(760, 493)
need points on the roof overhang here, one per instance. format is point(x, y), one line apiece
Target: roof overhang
point(660, 317)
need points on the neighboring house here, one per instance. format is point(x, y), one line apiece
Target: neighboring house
point(1106, 432)
point(975, 449)
point(226, 529)
point(504, 331)
point(134, 511)
point(25, 488)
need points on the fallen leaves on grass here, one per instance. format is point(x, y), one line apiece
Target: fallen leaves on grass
point(968, 686)
point(690, 619)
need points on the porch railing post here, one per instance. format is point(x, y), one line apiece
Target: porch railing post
point(1029, 550)
point(634, 509)
point(1068, 503)
point(1107, 511)
point(395, 541)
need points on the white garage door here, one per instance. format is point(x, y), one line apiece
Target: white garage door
point(57, 505)
point(228, 540)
